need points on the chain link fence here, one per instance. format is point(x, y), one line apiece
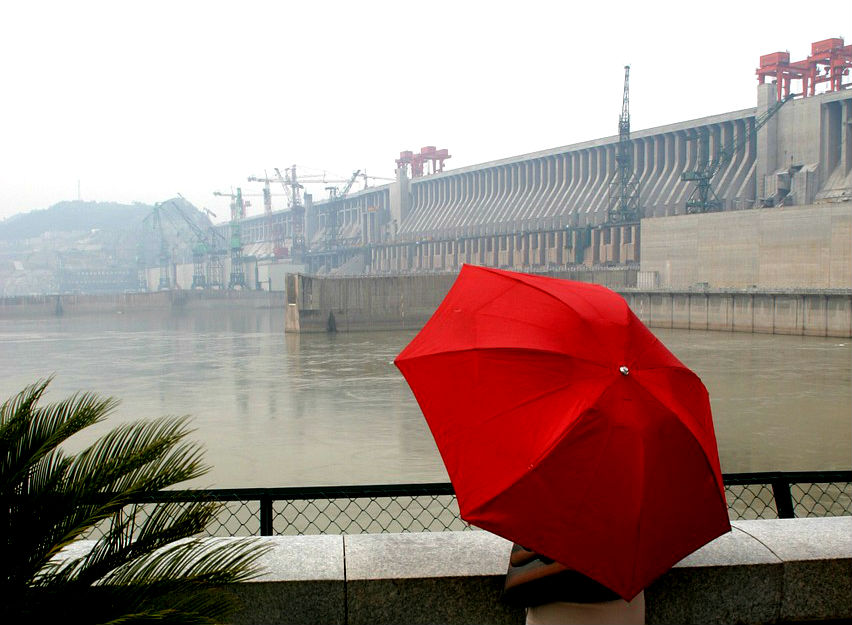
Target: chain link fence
point(433, 507)
point(789, 495)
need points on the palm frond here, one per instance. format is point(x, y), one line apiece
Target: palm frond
point(29, 432)
point(141, 456)
point(210, 561)
point(129, 539)
point(146, 567)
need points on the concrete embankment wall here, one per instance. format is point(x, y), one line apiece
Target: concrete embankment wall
point(769, 248)
point(766, 312)
point(392, 302)
point(318, 304)
point(125, 303)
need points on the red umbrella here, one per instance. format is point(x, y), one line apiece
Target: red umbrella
point(566, 426)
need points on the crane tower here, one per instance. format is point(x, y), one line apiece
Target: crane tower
point(624, 190)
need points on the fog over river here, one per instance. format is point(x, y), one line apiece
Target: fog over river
point(289, 410)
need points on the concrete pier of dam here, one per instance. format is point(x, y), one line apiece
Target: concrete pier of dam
point(370, 303)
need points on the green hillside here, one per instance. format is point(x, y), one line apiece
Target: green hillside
point(73, 217)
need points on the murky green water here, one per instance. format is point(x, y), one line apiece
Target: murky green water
point(276, 410)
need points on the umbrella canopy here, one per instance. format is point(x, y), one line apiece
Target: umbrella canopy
point(566, 426)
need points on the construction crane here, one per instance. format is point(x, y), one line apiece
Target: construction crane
point(292, 186)
point(336, 197)
point(367, 178)
point(624, 190)
point(276, 230)
point(164, 257)
point(703, 198)
point(204, 249)
point(238, 212)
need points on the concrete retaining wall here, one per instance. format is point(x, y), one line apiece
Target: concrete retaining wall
point(771, 248)
point(318, 304)
point(126, 303)
point(808, 314)
point(763, 572)
point(393, 302)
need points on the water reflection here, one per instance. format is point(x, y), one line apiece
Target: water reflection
point(280, 410)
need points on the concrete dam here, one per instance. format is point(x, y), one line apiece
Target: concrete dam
point(751, 209)
point(549, 209)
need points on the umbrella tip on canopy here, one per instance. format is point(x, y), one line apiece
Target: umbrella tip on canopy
point(624, 370)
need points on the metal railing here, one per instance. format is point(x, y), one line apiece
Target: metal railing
point(433, 507)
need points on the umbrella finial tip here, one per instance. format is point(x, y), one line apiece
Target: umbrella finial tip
point(624, 370)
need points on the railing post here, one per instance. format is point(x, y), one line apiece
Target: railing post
point(783, 499)
point(266, 516)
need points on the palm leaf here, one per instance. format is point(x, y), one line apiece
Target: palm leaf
point(146, 566)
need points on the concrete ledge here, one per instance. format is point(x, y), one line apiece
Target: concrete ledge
point(446, 577)
point(304, 582)
point(787, 570)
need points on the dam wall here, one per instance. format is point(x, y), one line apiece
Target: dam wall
point(550, 207)
point(768, 248)
point(322, 304)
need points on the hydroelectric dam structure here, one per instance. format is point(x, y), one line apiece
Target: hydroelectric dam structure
point(759, 197)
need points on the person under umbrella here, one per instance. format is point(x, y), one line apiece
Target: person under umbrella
point(567, 427)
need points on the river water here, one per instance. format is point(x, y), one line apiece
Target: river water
point(289, 410)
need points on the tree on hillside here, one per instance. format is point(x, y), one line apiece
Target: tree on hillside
point(149, 563)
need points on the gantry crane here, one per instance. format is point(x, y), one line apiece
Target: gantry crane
point(336, 197)
point(703, 198)
point(164, 257)
point(292, 185)
point(205, 249)
point(276, 231)
point(238, 212)
point(624, 190)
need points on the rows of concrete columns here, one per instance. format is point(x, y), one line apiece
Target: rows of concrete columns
point(572, 188)
point(521, 251)
point(361, 217)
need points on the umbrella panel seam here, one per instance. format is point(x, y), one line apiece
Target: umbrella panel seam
point(518, 279)
point(532, 465)
point(530, 350)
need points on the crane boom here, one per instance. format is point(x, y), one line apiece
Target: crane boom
point(703, 198)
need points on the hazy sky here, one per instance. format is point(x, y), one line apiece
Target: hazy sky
point(139, 101)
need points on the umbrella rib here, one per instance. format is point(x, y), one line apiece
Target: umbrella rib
point(530, 350)
point(670, 410)
point(712, 471)
point(553, 445)
point(548, 293)
point(530, 400)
